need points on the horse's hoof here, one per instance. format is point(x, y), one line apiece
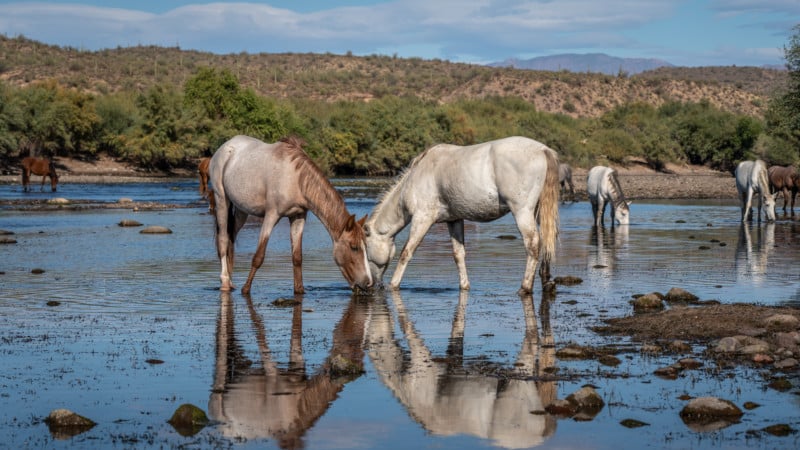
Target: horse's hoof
point(224, 288)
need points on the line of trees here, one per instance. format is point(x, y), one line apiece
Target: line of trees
point(167, 126)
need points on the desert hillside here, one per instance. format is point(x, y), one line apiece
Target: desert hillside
point(332, 77)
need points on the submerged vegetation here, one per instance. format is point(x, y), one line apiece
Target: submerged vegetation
point(65, 102)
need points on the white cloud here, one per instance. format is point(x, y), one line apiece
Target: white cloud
point(465, 30)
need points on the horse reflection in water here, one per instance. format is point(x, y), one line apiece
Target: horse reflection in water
point(277, 403)
point(448, 398)
point(752, 253)
point(603, 262)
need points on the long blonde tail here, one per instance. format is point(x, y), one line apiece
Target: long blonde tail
point(548, 209)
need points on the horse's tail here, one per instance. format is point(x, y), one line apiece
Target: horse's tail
point(548, 208)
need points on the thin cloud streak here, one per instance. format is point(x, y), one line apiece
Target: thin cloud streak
point(468, 30)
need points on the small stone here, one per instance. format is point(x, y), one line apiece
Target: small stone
point(727, 345)
point(690, 363)
point(678, 295)
point(129, 223)
point(586, 398)
point(37, 271)
point(780, 429)
point(788, 363)
point(64, 424)
point(761, 358)
point(188, 420)
point(750, 405)
point(780, 384)
point(573, 352)
point(609, 360)
point(568, 280)
point(633, 423)
point(58, 201)
point(708, 407)
point(783, 322)
point(509, 237)
point(155, 229)
point(669, 373)
point(647, 302)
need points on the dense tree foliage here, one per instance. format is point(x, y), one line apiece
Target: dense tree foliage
point(164, 126)
point(782, 143)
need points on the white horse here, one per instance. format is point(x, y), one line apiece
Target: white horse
point(565, 180)
point(602, 187)
point(752, 178)
point(482, 182)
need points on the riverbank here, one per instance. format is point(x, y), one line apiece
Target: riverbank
point(638, 181)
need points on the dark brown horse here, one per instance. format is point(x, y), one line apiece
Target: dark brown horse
point(38, 166)
point(786, 180)
point(202, 170)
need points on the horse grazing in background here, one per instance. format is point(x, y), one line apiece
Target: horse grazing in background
point(38, 166)
point(565, 180)
point(202, 170)
point(250, 177)
point(751, 179)
point(602, 187)
point(786, 180)
point(482, 182)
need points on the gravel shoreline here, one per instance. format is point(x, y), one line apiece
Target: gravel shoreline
point(636, 184)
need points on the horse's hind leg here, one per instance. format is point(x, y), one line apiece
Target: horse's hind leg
point(296, 225)
point(261, 249)
point(415, 235)
point(456, 229)
point(526, 223)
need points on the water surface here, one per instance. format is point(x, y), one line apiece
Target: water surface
point(142, 328)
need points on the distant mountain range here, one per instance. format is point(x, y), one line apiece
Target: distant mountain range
point(590, 62)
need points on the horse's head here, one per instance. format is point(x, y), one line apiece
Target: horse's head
point(769, 206)
point(380, 251)
point(350, 254)
point(53, 176)
point(622, 213)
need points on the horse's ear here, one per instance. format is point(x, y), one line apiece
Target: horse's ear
point(351, 223)
point(629, 202)
point(363, 220)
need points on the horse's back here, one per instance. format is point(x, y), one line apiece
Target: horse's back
point(747, 175)
point(476, 182)
point(597, 181)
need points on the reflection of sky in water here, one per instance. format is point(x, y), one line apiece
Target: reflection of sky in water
point(127, 297)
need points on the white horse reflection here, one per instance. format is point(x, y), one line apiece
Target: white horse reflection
point(752, 257)
point(272, 402)
point(448, 400)
point(602, 263)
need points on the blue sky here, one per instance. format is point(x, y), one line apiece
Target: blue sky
point(686, 33)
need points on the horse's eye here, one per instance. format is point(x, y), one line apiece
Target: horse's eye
point(355, 248)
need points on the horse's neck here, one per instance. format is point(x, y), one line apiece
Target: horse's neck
point(615, 189)
point(325, 202)
point(388, 217)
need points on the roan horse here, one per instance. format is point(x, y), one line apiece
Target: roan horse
point(202, 171)
point(38, 166)
point(751, 178)
point(482, 182)
point(250, 177)
point(602, 187)
point(784, 179)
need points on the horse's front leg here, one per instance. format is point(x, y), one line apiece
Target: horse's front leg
point(258, 258)
point(296, 224)
point(418, 229)
point(747, 205)
point(456, 229)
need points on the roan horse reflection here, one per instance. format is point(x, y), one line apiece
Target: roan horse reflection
point(482, 182)
point(281, 404)
point(447, 398)
point(271, 181)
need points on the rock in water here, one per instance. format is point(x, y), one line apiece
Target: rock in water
point(188, 420)
point(65, 424)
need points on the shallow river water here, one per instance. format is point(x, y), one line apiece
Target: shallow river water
point(124, 327)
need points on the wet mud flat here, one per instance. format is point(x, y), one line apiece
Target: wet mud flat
point(124, 328)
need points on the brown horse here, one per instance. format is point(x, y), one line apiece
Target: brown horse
point(202, 170)
point(786, 180)
point(250, 177)
point(38, 166)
